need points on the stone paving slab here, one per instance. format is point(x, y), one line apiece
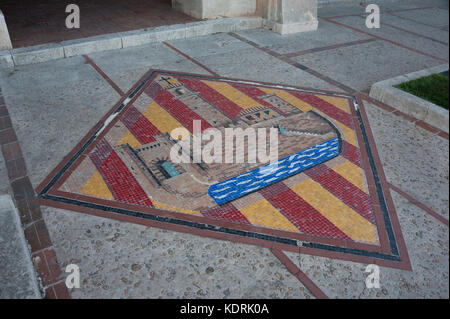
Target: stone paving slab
point(427, 243)
point(361, 66)
point(259, 66)
point(140, 60)
point(120, 260)
point(434, 16)
point(71, 96)
point(414, 159)
point(440, 35)
point(18, 280)
point(327, 34)
point(427, 46)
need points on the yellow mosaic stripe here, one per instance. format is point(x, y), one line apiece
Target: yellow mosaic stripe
point(352, 173)
point(342, 216)
point(349, 134)
point(262, 213)
point(129, 139)
point(339, 102)
point(172, 208)
point(161, 119)
point(233, 94)
point(96, 187)
point(305, 107)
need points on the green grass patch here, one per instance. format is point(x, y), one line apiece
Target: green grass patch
point(433, 88)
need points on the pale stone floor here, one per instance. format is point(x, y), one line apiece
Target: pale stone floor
point(54, 104)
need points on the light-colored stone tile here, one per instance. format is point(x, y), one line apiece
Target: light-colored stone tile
point(90, 45)
point(6, 60)
point(37, 54)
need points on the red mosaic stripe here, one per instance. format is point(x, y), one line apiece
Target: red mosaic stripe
point(255, 94)
point(305, 217)
point(122, 182)
point(153, 90)
point(226, 212)
point(180, 111)
point(351, 153)
point(101, 152)
point(327, 108)
point(139, 126)
point(144, 130)
point(228, 107)
point(130, 117)
point(341, 188)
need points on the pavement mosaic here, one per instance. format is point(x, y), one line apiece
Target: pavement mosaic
point(325, 193)
point(53, 105)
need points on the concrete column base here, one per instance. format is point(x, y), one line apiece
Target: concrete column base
point(284, 28)
point(213, 9)
point(5, 41)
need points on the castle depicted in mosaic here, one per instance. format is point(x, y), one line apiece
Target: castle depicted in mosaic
point(186, 184)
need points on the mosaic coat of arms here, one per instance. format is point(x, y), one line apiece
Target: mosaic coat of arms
point(322, 194)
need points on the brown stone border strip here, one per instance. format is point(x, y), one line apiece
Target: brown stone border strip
point(35, 231)
point(419, 204)
point(300, 275)
point(103, 74)
point(384, 39)
point(329, 47)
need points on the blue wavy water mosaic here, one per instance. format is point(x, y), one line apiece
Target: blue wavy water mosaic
point(266, 175)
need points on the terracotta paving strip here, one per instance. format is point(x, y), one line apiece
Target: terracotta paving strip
point(191, 59)
point(300, 275)
point(103, 74)
point(35, 230)
point(420, 204)
point(384, 39)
